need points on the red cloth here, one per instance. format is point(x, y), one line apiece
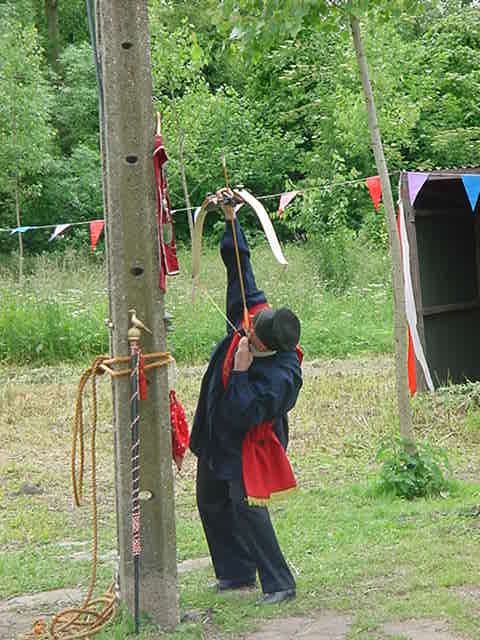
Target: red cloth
point(166, 238)
point(180, 434)
point(142, 379)
point(266, 469)
point(412, 370)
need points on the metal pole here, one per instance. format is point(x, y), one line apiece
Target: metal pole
point(134, 341)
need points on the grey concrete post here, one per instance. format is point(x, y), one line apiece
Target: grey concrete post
point(132, 257)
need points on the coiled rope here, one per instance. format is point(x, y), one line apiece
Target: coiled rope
point(94, 614)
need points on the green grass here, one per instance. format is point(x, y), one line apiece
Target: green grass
point(58, 315)
point(375, 558)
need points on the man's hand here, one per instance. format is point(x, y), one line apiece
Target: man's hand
point(226, 201)
point(243, 357)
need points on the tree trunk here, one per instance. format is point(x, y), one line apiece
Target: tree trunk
point(400, 320)
point(17, 191)
point(181, 160)
point(20, 235)
point(181, 149)
point(53, 50)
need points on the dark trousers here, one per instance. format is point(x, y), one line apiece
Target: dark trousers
point(241, 538)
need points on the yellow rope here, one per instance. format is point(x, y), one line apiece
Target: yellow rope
point(93, 615)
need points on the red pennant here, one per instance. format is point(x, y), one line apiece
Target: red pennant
point(96, 228)
point(375, 189)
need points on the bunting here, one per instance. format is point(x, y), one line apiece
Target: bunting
point(285, 200)
point(59, 229)
point(19, 230)
point(415, 180)
point(471, 184)
point(374, 186)
point(96, 228)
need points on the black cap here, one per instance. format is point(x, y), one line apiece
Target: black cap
point(278, 330)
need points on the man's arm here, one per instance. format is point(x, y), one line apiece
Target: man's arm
point(247, 403)
point(253, 295)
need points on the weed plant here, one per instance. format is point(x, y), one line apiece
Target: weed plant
point(412, 473)
point(58, 314)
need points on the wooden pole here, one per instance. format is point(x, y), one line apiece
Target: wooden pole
point(400, 320)
point(127, 137)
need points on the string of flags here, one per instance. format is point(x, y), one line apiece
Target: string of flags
point(415, 180)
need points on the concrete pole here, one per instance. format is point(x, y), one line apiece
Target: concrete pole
point(132, 259)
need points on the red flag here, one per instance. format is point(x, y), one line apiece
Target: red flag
point(285, 200)
point(166, 239)
point(96, 228)
point(375, 189)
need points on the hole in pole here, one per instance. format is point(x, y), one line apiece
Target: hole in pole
point(127, 45)
point(132, 159)
point(137, 271)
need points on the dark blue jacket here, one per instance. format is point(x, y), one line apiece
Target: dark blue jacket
point(267, 391)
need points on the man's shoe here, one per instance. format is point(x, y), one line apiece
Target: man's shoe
point(276, 597)
point(232, 585)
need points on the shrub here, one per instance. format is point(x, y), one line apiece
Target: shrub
point(412, 474)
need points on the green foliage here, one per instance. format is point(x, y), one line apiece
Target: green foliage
point(25, 129)
point(76, 112)
point(58, 314)
point(412, 473)
point(272, 85)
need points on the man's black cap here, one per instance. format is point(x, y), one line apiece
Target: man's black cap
point(278, 330)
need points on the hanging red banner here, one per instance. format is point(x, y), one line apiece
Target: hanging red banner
point(166, 238)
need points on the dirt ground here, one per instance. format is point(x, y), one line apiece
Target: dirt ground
point(17, 614)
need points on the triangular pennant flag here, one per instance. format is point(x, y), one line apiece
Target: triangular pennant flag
point(59, 229)
point(96, 228)
point(285, 200)
point(375, 189)
point(416, 180)
point(472, 187)
point(20, 230)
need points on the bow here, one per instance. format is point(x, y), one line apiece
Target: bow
point(241, 196)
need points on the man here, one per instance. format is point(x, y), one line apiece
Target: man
point(240, 431)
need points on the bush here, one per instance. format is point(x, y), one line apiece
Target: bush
point(412, 474)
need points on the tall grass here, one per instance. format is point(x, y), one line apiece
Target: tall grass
point(58, 314)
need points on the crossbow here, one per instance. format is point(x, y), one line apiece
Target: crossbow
point(240, 197)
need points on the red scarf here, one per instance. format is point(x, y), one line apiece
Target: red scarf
point(266, 469)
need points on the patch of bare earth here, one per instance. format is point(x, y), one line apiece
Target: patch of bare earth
point(328, 625)
point(17, 615)
point(421, 630)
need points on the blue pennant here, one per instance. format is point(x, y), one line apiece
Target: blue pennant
point(19, 230)
point(472, 187)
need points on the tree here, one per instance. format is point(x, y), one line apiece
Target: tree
point(25, 129)
point(53, 49)
point(274, 18)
